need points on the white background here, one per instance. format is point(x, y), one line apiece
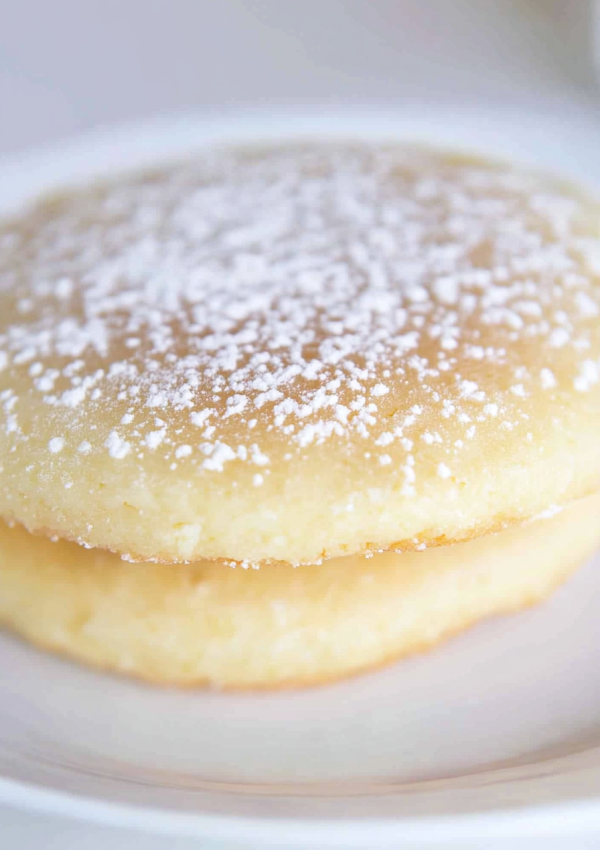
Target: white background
point(68, 65)
point(73, 65)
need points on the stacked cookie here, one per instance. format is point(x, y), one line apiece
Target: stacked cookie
point(299, 406)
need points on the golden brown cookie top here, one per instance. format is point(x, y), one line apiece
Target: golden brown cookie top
point(297, 352)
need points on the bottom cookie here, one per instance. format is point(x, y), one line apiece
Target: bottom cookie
point(210, 624)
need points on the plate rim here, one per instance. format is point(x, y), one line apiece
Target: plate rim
point(576, 818)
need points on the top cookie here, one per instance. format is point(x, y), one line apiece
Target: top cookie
point(298, 352)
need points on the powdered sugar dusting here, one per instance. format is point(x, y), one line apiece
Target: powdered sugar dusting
point(118, 448)
point(297, 295)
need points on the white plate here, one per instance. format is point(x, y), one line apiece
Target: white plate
point(496, 733)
